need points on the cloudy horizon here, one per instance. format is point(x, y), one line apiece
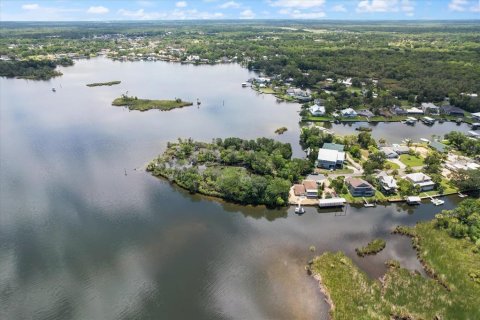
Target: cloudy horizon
point(88, 10)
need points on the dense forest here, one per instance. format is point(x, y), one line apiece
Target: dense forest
point(32, 69)
point(413, 61)
point(244, 171)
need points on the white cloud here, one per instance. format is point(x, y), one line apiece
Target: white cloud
point(177, 14)
point(247, 14)
point(297, 14)
point(339, 8)
point(229, 4)
point(98, 10)
point(181, 4)
point(458, 5)
point(301, 4)
point(476, 7)
point(30, 6)
point(370, 6)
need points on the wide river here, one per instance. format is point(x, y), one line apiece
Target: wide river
point(85, 233)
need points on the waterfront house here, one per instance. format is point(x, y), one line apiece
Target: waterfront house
point(359, 187)
point(414, 111)
point(365, 113)
point(348, 112)
point(389, 152)
point(299, 94)
point(452, 111)
point(476, 116)
point(333, 146)
point(317, 110)
point(330, 159)
point(311, 188)
point(421, 180)
point(399, 111)
point(399, 149)
point(438, 146)
point(299, 190)
point(430, 108)
point(387, 183)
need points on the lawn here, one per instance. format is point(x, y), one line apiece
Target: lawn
point(412, 161)
point(404, 294)
point(266, 90)
point(393, 165)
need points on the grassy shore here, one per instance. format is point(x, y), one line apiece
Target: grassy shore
point(145, 104)
point(373, 247)
point(451, 291)
point(98, 84)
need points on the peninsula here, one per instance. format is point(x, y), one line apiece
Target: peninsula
point(448, 248)
point(257, 171)
point(133, 103)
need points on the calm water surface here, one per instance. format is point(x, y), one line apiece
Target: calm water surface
point(79, 239)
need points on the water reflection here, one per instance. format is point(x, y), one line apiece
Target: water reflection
point(79, 239)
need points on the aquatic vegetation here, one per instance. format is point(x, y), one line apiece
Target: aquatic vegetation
point(452, 290)
point(373, 247)
point(98, 84)
point(133, 103)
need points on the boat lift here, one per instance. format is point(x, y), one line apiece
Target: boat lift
point(368, 205)
point(435, 201)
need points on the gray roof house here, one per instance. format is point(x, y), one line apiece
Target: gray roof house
point(452, 111)
point(399, 149)
point(359, 187)
point(389, 152)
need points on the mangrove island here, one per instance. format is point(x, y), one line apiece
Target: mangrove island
point(133, 103)
point(98, 84)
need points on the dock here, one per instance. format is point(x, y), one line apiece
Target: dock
point(435, 201)
point(368, 205)
point(332, 202)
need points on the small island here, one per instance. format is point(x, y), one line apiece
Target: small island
point(254, 172)
point(98, 84)
point(281, 130)
point(133, 103)
point(373, 247)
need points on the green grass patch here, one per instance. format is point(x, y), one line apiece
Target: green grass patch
point(373, 247)
point(452, 293)
point(412, 161)
point(266, 90)
point(133, 103)
point(393, 165)
point(337, 171)
point(98, 84)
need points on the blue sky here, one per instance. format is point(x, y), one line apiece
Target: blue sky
point(107, 10)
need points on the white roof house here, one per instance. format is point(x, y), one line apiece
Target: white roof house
point(317, 110)
point(348, 112)
point(422, 180)
point(476, 115)
point(330, 159)
point(414, 111)
point(387, 182)
point(428, 107)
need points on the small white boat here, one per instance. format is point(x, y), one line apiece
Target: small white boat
point(299, 209)
point(244, 84)
point(437, 202)
point(461, 195)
